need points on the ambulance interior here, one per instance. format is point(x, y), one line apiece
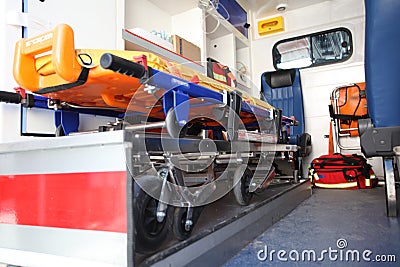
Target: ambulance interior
point(307, 80)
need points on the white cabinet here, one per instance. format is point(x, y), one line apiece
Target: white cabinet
point(215, 36)
point(227, 45)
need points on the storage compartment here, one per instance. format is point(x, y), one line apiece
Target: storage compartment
point(205, 29)
point(235, 14)
point(186, 48)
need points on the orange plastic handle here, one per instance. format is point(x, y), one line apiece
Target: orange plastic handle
point(60, 42)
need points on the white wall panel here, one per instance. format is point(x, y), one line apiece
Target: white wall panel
point(317, 127)
point(146, 15)
point(9, 34)
point(96, 24)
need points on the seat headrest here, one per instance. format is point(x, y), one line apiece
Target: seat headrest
point(280, 78)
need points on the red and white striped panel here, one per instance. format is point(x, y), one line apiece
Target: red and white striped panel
point(70, 189)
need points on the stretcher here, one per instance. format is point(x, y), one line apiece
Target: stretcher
point(207, 123)
point(76, 76)
point(348, 106)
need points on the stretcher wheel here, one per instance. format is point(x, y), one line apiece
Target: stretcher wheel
point(242, 185)
point(150, 234)
point(179, 224)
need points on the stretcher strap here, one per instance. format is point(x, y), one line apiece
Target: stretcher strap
point(345, 117)
point(83, 76)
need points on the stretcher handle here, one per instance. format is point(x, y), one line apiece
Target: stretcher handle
point(9, 97)
point(60, 43)
point(122, 65)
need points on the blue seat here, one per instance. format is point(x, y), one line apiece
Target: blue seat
point(382, 61)
point(381, 133)
point(282, 89)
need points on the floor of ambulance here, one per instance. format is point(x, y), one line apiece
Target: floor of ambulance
point(331, 228)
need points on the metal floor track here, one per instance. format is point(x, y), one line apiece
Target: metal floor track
point(224, 227)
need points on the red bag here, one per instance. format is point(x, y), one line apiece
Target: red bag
point(220, 72)
point(342, 171)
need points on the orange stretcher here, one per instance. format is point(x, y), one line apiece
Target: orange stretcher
point(50, 65)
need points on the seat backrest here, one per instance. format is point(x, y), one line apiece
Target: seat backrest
point(382, 62)
point(282, 89)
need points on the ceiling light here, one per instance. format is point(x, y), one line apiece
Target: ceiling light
point(281, 7)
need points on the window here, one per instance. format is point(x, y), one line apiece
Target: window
point(313, 50)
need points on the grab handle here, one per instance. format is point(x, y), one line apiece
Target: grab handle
point(9, 97)
point(122, 65)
